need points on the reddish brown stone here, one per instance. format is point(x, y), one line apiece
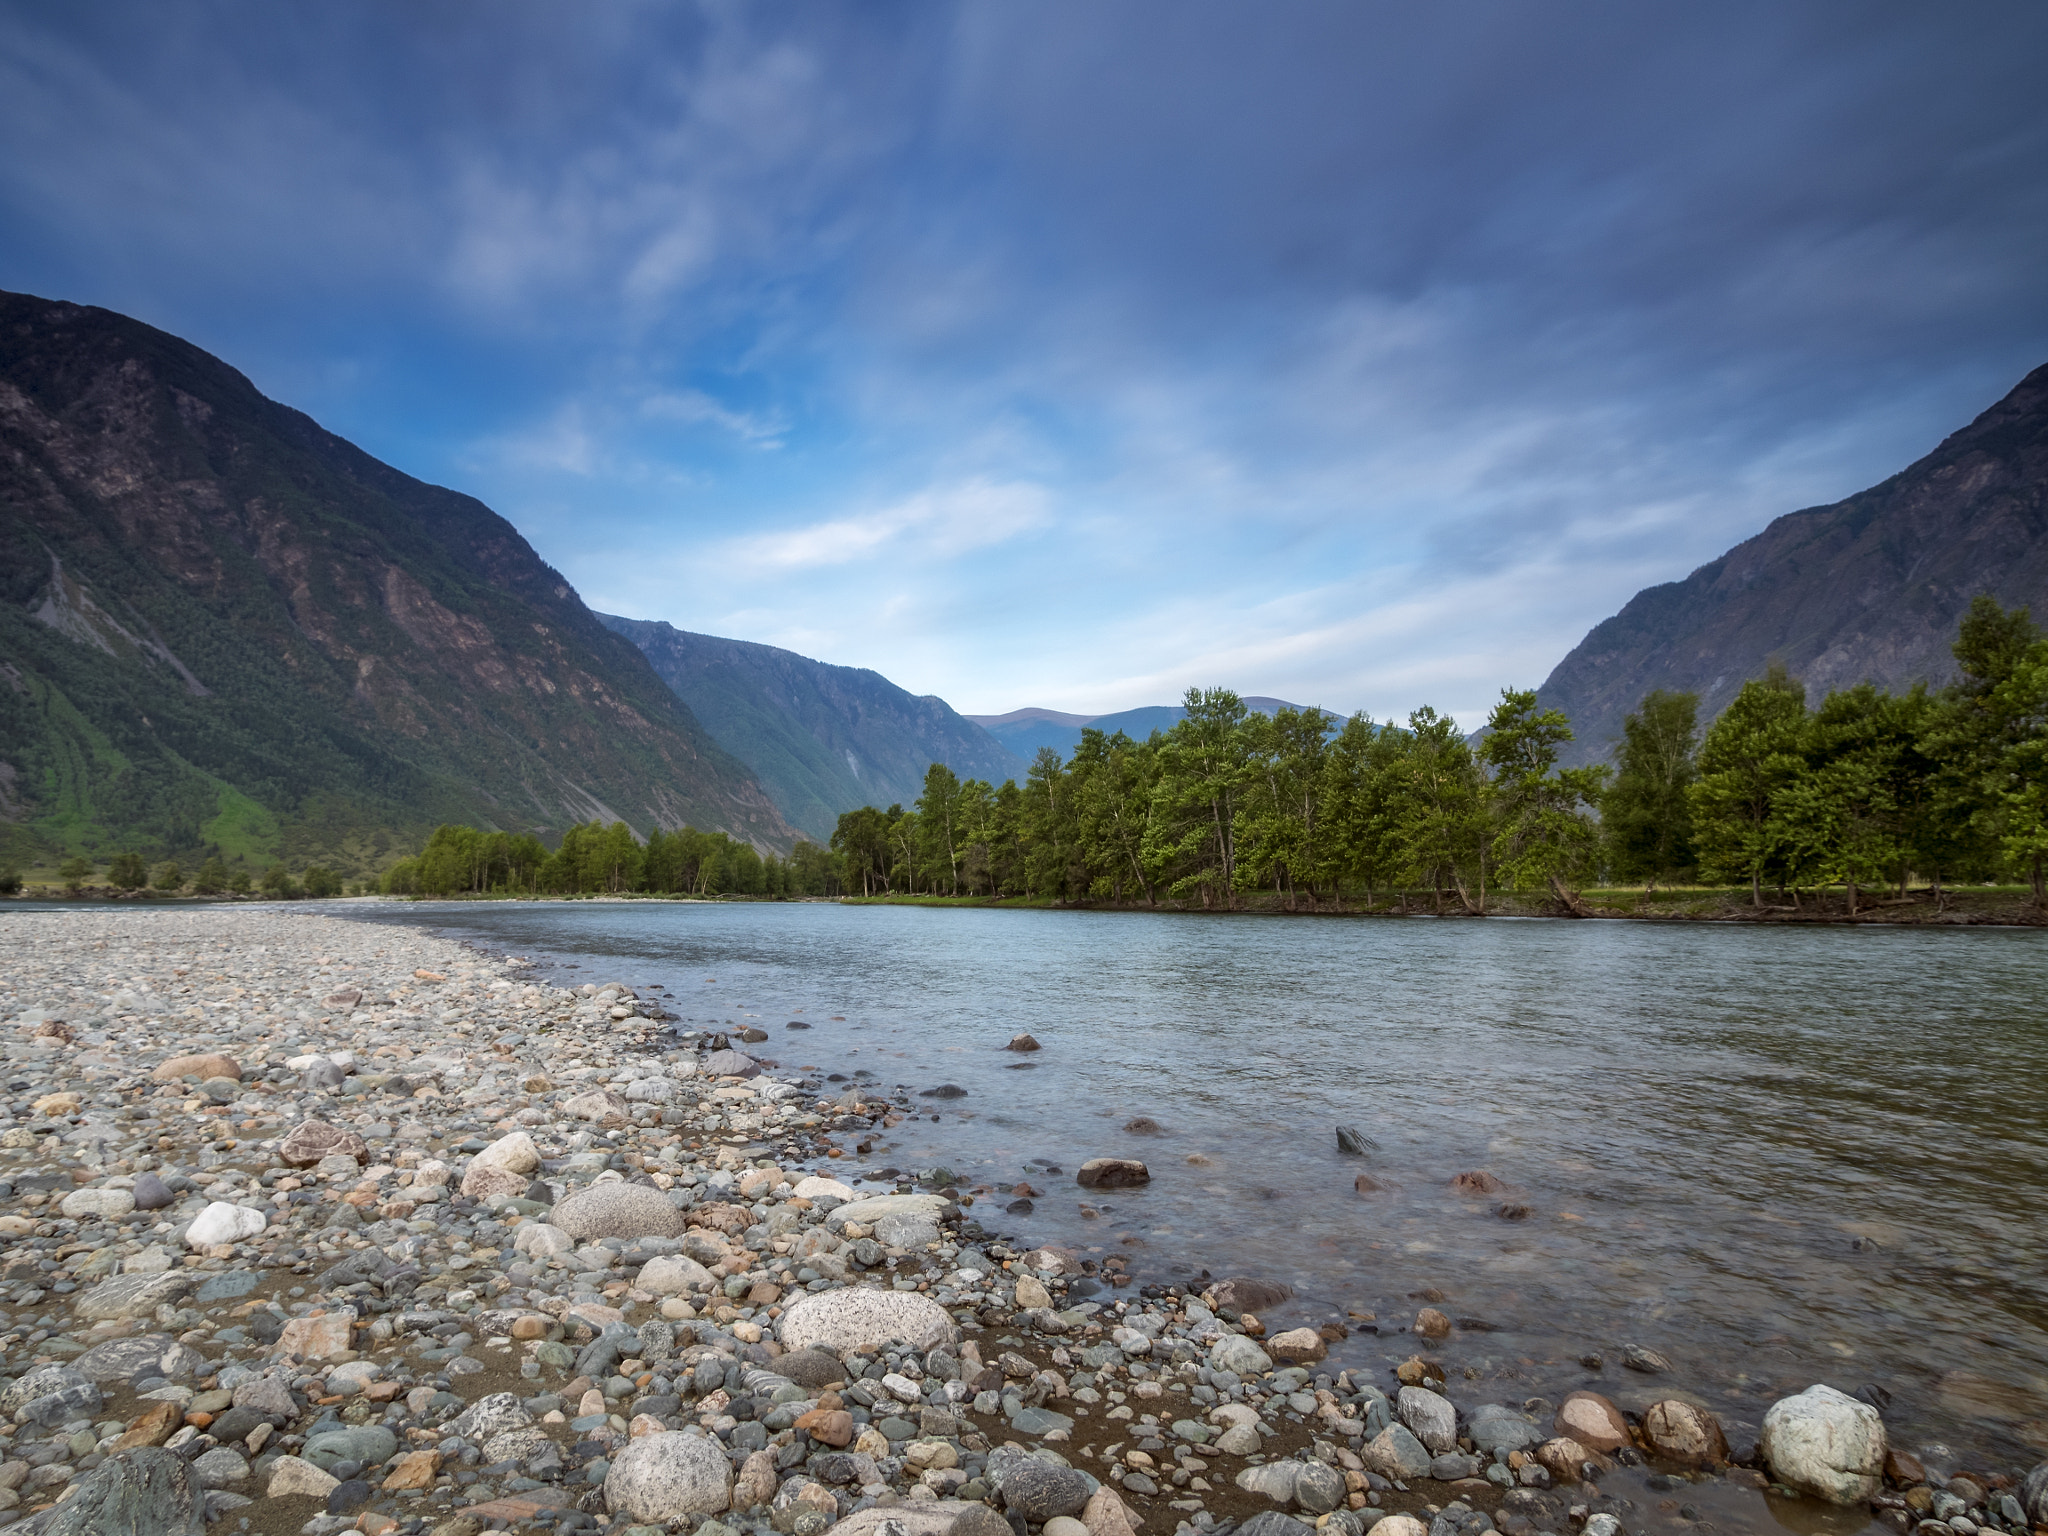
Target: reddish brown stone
point(1477, 1182)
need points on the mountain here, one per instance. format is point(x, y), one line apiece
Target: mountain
point(1024, 731)
point(224, 628)
point(821, 739)
point(1870, 588)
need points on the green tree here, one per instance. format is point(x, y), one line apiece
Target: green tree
point(1436, 810)
point(1359, 783)
point(1749, 758)
point(277, 883)
point(938, 827)
point(1113, 808)
point(1980, 737)
point(861, 840)
point(1542, 829)
point(127, 872)
point(1204, 762)
point(239, 883)
point(74, 872)
point(212, 878)
point(2021, 777)
point(10, 880)
point(1647, 811)
point(1283, 838)
point(169, 877)
point(1049, 832)
point(320, 881)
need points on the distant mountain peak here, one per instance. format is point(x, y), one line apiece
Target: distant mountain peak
point(822, 739)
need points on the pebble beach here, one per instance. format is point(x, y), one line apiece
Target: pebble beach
point(311, 1225)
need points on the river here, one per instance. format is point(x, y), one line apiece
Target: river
point(1774, 1155)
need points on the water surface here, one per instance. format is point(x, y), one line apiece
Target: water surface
point(1775, 1155)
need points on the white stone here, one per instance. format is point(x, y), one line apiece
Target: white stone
point(671, 1274)
point(859, 1318)
point(102, 1204)
point(663, 1477)
point(538, 1240)
point(224, 1223)
point(875, 1207)
point(1825, 1443)
point(290, 1476)
point(515, 1152)
point(1235, 1352)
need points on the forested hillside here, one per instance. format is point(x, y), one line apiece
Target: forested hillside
point(821, 739)
point(1870, 589)
point(224, 630)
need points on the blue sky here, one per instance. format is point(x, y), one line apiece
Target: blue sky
point(1070, 354)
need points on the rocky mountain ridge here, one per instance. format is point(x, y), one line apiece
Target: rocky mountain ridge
point(1872, 587)
point(223, 628)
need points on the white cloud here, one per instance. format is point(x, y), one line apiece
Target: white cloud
point(942, 521)
point(694, 407)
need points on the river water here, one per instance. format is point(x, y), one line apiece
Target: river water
point(1774, 1155)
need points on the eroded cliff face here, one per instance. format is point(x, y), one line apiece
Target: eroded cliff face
point(204, 596)
point(1870, 588)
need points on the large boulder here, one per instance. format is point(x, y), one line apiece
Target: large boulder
point(482, 1180)
point(1396, 1453)
point(127, 1296)
point(875, 1207)
point(1593, 1421)
point(1496, 1427)
point(1825, 1443)
point(1242, 1294)
point(670, 1274)
point(2034, 1494)
point(1112, 1173)
point(221, 1222)
point(663, 1477)
point(97, 1204)
point(860, 1319)
point(49, 1396)
point(1429, 1417)
point(1235, 1352)
point(146, 1492)
point(615, 1209)
point(1682, 1432)
point(515, 1152)
point(597, 1104)
point(1039, 1490)
point(150, 1354)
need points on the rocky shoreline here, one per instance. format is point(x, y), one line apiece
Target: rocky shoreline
point(314, 1226)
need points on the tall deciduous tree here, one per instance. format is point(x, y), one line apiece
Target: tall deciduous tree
point(1750, 757)
point(1203, 764)
point(1646, 812)
point(1543, 832)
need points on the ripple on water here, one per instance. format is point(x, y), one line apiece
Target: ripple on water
point(1775, 1155)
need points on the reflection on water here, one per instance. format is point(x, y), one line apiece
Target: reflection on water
point(1773, 1155)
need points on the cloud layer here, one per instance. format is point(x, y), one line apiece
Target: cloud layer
point(1071, 354)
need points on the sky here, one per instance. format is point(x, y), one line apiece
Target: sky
point(1072, 354)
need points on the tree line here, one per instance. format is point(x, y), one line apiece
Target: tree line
point(1866, 792)
point(595, 859)
point(1869, 791)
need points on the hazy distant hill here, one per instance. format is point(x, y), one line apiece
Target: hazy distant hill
point(1024, 731)
point(821, 739)
point(1871, 587)
point(224, 627)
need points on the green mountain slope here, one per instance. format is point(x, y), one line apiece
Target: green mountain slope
point(224, 627)
point(1870, 588)
point(821, 739)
